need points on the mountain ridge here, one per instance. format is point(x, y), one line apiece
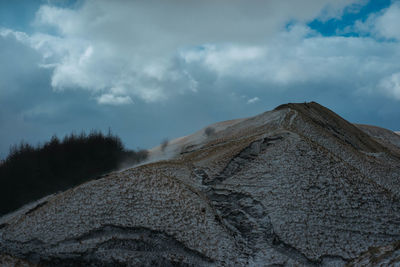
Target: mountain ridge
point(295, 185)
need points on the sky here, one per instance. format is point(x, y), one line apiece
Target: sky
point(156, 69)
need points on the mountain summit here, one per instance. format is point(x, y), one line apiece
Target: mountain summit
point(298, 185)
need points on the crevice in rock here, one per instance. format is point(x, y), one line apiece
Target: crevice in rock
point(247, 217)
point(237, 163)
point(200, 174)
point(156, 240)
point(151, 247)
point(332, 257)
point(292, 252)
point(36, 207)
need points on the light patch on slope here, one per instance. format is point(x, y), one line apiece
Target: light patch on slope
point(175, 146)
point(222, 129)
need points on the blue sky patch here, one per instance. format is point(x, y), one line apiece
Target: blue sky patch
point(335, 26)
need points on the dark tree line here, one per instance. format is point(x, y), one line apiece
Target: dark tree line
point(29, 173)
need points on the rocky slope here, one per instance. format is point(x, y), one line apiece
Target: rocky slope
point(386, 137)
point(296, 186)
point(388, 255)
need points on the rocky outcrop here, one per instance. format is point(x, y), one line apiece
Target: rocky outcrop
point(386, 137)
point(388, 255)
point(10, 261)
point(298, 185)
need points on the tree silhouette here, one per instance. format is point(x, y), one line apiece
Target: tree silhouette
point(29, 173)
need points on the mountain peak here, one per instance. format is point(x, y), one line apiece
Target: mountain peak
point(331, 122)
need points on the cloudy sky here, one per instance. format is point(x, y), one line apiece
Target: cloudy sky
point(160, 69)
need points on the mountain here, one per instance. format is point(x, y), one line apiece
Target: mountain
point(386, 137)
point(295, 186)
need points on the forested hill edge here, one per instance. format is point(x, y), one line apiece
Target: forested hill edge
point(29, 173)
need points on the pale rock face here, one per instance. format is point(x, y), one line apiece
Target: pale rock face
point(296, 186)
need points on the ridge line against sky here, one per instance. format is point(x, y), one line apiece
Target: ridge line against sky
point(156, 69)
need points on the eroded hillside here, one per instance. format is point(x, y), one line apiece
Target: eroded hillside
point(298, 185)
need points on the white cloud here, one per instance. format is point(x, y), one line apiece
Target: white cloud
point(253, 100)
point(222, 59)
point(300, 56)
point(384, 24)
point(387, 25)
point(110, 99)
point(132, 44)
point(391, 85)
point(20, 36)
point(123, 50)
